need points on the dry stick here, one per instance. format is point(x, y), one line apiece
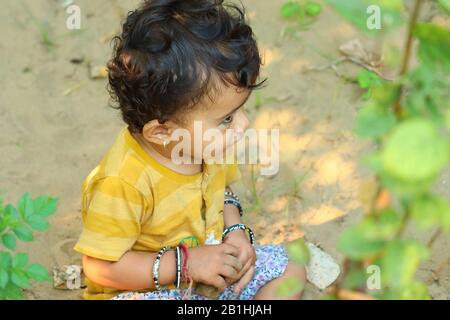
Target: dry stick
point(397, 111)
point(430, 243)
point(334, 63)
point(433, 238)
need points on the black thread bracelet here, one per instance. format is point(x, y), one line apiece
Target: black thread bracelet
point(234, 202)
point(239, 226)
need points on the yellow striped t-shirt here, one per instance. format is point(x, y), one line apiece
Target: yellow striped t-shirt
point(132, 202)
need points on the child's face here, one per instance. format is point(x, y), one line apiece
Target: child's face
point(207, 132)
point(220, 124)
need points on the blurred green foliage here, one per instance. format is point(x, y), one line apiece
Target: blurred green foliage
point(18, 223)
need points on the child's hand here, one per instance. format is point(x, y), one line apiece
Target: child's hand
point(247, 256)
point(212, 264)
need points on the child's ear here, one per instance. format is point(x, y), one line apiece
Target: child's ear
point(158, 133)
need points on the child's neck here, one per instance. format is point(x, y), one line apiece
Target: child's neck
point(163, 156)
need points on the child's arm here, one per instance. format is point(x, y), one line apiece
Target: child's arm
point(231, 215)
point(239, 239)
point(208, 264)
point(132, 272)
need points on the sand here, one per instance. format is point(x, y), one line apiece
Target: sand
point(56, 126)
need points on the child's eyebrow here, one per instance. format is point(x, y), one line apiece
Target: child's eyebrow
point(239, 106)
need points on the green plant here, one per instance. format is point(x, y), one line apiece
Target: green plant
point(302, 12)
point(368, 80)
point(18, 223)
point(299, 254)
point(408, 121)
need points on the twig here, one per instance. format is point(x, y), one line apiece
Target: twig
point(338, 61)
point(433, 238)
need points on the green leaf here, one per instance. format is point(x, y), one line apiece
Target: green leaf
point(37, 223)
point(405, 188)
point(373, 162)
point(414, 291)
point(290, 9)
point(9, 241)
point(38, 272)
point(3, 278)
point(298, 252)
point(20, 279)
point(369, 237)
point(11, 216)
point(373, 121)
point(5, 260)
point(400, 262)
point(415, 151)
point(289, 287)
point(385, 94)
point(11, 291)
point(447, 119)
point(45, 206)
point(355, 278)
point(367, 79)
point(355, 12)
point(20, 261)
point(356, 245)
point(434, 48)
point(313, 9)
point(428, 94)
point(445, 4)
point(25, 206)
point(411, 291)
point(428, 210)
point(24, 234)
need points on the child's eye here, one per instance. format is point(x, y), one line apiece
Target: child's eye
point(228, 120)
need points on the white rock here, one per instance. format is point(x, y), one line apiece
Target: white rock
point(322, 270)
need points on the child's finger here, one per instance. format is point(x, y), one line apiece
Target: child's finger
point(244, 270)
point(233, 262)
point(244, 280)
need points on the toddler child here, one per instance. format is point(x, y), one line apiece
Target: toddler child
point(156, 226)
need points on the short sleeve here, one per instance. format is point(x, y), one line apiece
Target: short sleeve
point(232, 173)
point(112, 212)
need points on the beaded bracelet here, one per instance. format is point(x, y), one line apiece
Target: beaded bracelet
point(232, 194)
point(234, 202)
point(156, 266)
point(178, 266)
point(239, 226)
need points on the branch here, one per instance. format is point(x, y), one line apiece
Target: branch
point(407, 52)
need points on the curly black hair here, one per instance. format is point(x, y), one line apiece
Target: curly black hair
point(169, 53)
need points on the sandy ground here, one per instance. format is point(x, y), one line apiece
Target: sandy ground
point(56, 125)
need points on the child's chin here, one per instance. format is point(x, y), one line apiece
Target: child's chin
point(223, 157)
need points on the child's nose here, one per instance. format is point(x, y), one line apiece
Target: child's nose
point(245, 122)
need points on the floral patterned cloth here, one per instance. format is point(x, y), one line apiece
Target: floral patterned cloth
point(270, 263)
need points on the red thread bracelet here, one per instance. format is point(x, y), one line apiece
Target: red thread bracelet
point(184, 270)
